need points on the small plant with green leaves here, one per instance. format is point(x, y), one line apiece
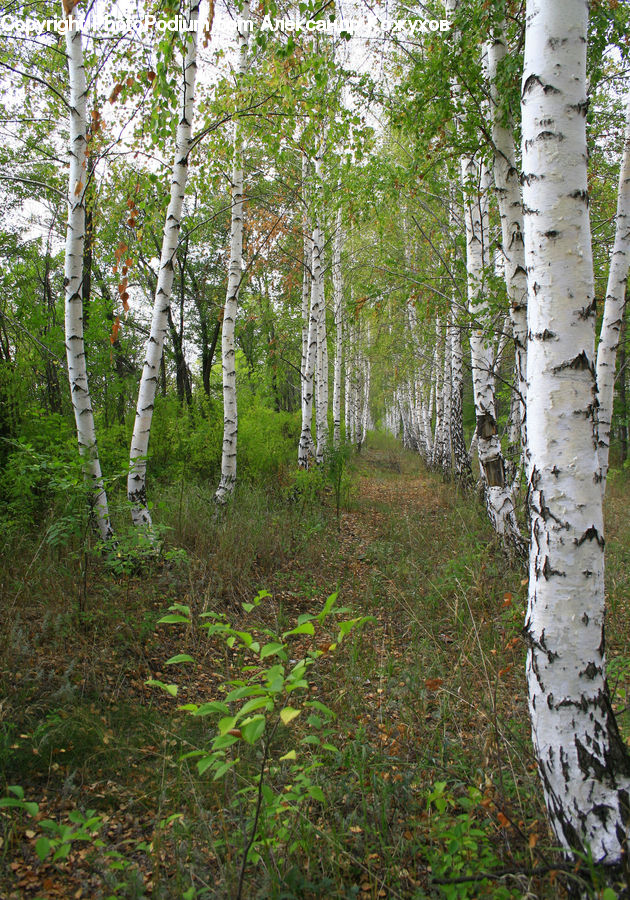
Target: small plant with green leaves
point(259, 711)
point(461, 845)
point(337, 470)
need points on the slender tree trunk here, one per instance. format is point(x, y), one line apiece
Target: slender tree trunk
point(623, 407)
point(136, 480)
point(73, 278)
point(306, 449)
point(338, 299)
point(614, 309)
point(307, 256)
point(510, 202)
point(498, 498)
point(235, 274)
point(582, 760)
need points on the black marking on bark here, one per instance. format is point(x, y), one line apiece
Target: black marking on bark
point(580, 363)
point(545, 335)
point(589, 310)
point(534, 80)
point(555, 471)
point(551, 234)
point(548, 570)
point(581, 108)
point(591, 534)
point(585, 619)
point(591, 671)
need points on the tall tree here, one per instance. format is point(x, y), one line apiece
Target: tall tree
point(136, 479)
point(614, 308)
point(235, 275)
point(73, 277)
point(583, 763)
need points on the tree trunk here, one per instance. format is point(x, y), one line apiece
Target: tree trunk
point(582, 760)
point(623, 406)
point(498, 498)
point(136, 480)
point(73, 277)
point(614, 309)
point(338, 293)
point(235, 275)
point(510, 202)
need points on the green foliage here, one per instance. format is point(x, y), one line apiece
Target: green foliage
point(462, 843)
point(261, 708)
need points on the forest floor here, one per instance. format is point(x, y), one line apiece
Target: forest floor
point(423, 784)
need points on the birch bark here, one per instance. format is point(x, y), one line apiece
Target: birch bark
point(73, 287)
point(498, 498)
point(614, 308)
point(235, 275)
point(582, 760)
point(136, 479)
point(510, 202)
point(337, 274)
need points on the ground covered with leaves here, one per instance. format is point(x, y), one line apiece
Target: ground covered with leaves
point(289, 745)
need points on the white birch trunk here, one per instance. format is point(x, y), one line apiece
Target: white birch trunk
point(446, 461)
point(136, 479)
point(306, 272)
point(337, 275)
point(235, 275)
point(510, 202)
point(582, 761)
point(348, 384)
point(438, 436)
point(498, 499)
point(614, 308)
point(306, 448)
point(461, 458)
point(73, 283)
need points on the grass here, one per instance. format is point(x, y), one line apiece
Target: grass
point(432, 780)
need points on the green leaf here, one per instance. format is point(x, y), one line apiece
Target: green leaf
point(253, 729)
point(304, 628)
point(213, 706)
point(173, 619)
point(254, 704)
point(244, 691)
point(328, 607)
point(180, 658)
point(223, 768)
point(290, 755)
point(289, 713)
point(169, 688)
point(316, 793)
point(227, 723)
point(42, 847)
point(204, 764)
point(223, 741)
point(271, 649)
point(16, 789)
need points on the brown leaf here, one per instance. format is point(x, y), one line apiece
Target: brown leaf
point(432, 684)
point(78, 188)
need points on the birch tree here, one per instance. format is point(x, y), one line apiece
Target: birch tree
point(235, 275)
point(510, 203)
point(337, 274)
point(136, 479)
point(582, 760)
point(614, 308)
point(73, 277)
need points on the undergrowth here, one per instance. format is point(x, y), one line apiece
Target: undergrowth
point(426, 785)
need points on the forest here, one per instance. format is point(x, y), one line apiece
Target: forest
point(315, 556)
